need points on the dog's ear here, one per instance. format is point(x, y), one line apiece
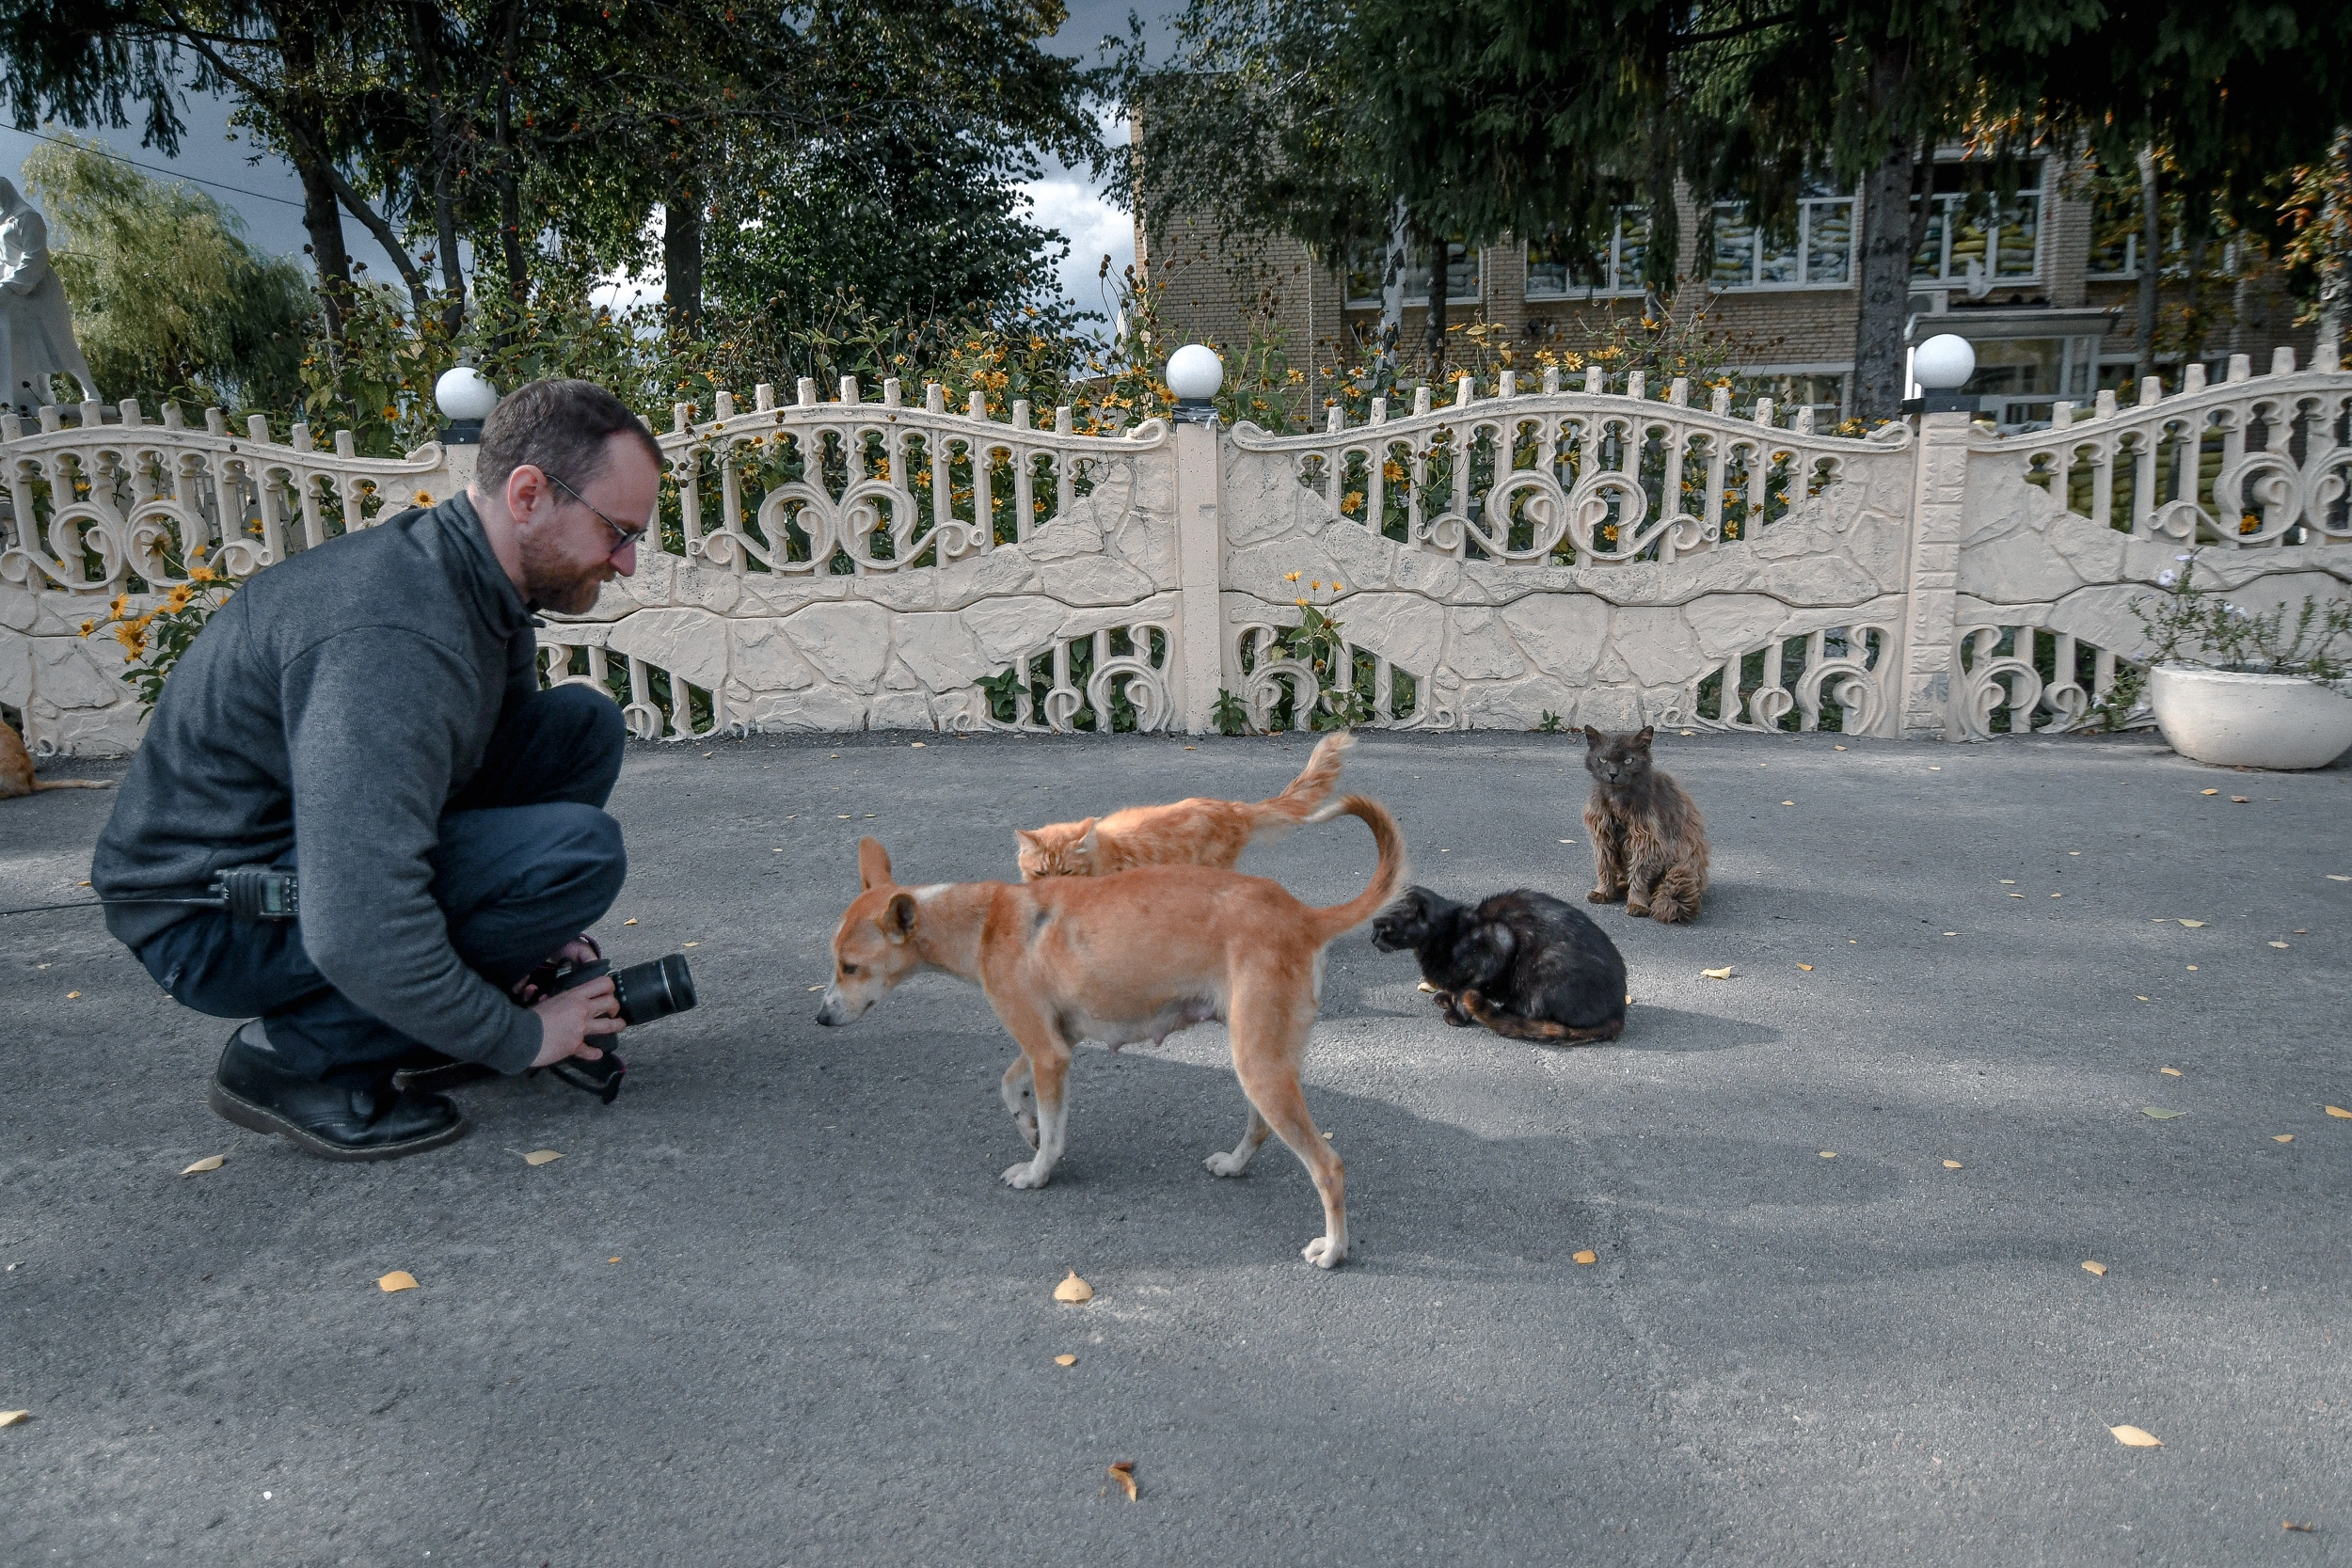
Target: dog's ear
point(1649, 732)
point(873, 864)
point(896, 919)
point(1594, 739)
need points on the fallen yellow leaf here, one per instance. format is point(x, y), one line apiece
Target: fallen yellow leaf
point(210, 1162)
point(2209, 792)
point(2337, 1110)
point(2192, 925)
point(2241, 799)
point(1587, 1256)
point(399, 1280)
point(1072, 1360)
point(1074, 1290)
point(541, 1157)
point(2131, 1438)
point(816, 987)
point(2277, 944)
point(1425, 986)
point(2283, 1138)
point(14, 1418)
point(2170, 1072)
point(1788, 802)
point(1723, 974)
point(630, 921)
point(2097, 1267)
point(1952, 1164)
point(2010, 881)
point(1808, 968)
point(1837, 748)
point(2139, 999)
point(612, 1259)
point(2333, 877)
point(72, 997)
point(1124, 1473)
point(1829, 1154)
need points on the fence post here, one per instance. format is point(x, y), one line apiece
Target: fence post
point(1939, 504)
point(1200, 567)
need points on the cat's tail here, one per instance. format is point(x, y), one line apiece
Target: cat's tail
point(1304, 800)
point(73, 783)
point(1388, 878)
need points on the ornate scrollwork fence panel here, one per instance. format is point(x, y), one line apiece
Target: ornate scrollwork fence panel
point(2244, 461)
point(1279, 690)
point(2023, 680)
point(1113, 678)
point(1789, 682)
point(1566, 477)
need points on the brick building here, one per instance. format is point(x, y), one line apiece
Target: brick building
point(2043, 284)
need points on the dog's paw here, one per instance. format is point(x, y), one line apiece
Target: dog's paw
point(1024, 1176)
point(1636, 911)
point(1225, 1163)
point(1321, 1254)
point(1604, 895)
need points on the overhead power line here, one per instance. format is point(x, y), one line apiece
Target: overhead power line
point(155, 168)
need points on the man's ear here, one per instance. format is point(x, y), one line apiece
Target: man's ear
point(896, 919)
point(1594, 739)
point(873, 864)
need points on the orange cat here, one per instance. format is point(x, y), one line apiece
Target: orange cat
point(1198, 832)
point(16, 770)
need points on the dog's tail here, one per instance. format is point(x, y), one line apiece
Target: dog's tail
point(1388, 878)
point(1303, 802)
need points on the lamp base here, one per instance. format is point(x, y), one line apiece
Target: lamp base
point(462, 433)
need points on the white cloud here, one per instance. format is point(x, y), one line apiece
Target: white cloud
point(1094, 228)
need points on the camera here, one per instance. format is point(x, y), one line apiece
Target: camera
point(642, 992)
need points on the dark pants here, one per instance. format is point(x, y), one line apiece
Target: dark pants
point(528, 860)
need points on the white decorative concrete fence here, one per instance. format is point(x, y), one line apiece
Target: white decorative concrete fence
point(1606, 553)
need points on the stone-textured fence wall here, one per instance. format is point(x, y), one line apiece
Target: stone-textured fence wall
point(1606, 553)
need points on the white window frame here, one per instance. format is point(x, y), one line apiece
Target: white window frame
point(1944, 278)
point(1476, 257)
point(1756, 282)
point(1616, 287)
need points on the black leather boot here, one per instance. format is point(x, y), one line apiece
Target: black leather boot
point(254, 1087)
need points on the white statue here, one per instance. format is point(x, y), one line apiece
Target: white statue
point(36, 328)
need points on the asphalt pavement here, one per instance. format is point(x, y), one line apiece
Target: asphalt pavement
point(774, 1307)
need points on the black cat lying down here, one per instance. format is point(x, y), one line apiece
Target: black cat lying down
point(1524, 964)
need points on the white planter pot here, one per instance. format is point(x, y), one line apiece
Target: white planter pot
point(2239, 720)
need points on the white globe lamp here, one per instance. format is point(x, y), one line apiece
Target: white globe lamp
point(1944, 363)
point(465, 399)
point(1194, 375)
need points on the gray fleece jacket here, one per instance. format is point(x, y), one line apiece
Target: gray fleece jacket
point(322, 719)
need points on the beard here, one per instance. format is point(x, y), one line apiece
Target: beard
point(553, 583)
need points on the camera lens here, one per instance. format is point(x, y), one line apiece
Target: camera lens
point(655, 990)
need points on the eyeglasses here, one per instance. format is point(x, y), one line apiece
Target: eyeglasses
point(622, 537)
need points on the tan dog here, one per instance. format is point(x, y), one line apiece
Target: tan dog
point(1134, 957)
point(1197, 831)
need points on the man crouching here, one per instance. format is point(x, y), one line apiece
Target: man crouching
point(368, 714)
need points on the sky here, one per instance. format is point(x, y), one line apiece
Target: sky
point(259, 188)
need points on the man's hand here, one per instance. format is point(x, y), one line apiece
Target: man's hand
point(569, 1018)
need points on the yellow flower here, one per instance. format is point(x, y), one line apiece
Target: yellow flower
point(1392, 471)
point(122, 602)
point(88, 626)
point(202, 573)
point(1339, 588)
point(1290, 577)
point(1352, 500)
point(1300, 603)
point(195, 552)
point(1316, 586)
point(390, 412)
point(177, 599)
point(425, 498)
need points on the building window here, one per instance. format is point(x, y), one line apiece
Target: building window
point(2019, 381)
point(1366, 262)
point(2117, 232)
point(1556, 271)
point(1973, 235)
point(1817, 252)
point(1823, 392)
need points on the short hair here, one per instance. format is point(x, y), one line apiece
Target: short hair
point(559, 427)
